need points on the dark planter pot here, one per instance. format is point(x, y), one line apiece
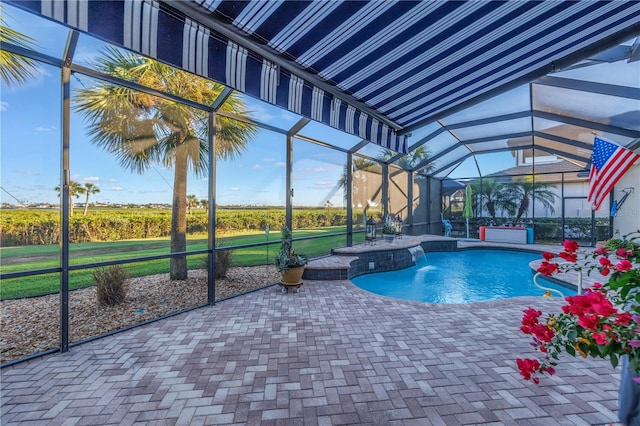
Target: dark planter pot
point(628, 395)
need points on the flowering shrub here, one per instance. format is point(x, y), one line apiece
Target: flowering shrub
point(604, 322)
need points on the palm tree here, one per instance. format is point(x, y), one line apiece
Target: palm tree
point(15, 69)
point(205, 205)
point(141, 129)
point(523, 189)
point(89, 189)
point(192, 201)
point(494, 192)
point(75, 190)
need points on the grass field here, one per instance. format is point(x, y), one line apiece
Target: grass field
point(28, 258)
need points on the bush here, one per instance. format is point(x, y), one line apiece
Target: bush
point(110, 285)
point(224, 260)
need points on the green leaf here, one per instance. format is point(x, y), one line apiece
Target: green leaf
point(614, 360)
point(570, 350)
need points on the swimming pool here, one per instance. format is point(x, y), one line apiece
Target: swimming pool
point(460, 277)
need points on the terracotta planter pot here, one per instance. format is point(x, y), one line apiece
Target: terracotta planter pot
point(293, 276)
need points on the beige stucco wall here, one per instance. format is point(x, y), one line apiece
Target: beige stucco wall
point(628, 218)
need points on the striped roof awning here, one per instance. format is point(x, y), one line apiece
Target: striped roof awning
point(375, 69)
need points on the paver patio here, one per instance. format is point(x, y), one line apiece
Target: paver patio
point(330, 354)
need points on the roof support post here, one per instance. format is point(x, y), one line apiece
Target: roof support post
point(385, 189)
point(289, 182)
point(349, 199)
point(65, 196)
point(211, 239)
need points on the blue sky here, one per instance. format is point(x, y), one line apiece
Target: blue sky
point(31, 134)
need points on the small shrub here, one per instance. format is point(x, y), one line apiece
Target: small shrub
point(224, 260)
point(110, 284)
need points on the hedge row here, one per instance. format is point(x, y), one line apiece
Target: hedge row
point(34, 227)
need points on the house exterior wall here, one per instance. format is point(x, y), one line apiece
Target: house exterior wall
point(628, 218)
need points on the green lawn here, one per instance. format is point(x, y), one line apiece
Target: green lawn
point(23, 258)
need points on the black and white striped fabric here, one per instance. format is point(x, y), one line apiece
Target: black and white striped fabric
point(406, 61)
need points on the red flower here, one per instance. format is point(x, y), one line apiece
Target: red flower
point(605, 262)
point(547, 268)
point(528, 367)
point(600, 338)
point(547, 255)
point(569, 256)
point(624, 319)
point(589, 322)
point(570, 246)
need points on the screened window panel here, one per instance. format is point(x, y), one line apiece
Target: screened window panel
point(500, 144)
point(467, 169)
point(46, 36)
point(578, 133)
point(493, 162)
point(605, 109)
point(457, 155)
point(372, 150)
point(514, 100)
point(441, 143)
point(494, 129)
point(398, 192)
point(334, 137)
point(423, 132)
point(575, 153)
point(366, 190)
point(263, 112)
point(620, 73)
point(442, 173)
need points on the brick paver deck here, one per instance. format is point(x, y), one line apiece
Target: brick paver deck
point(330, 354)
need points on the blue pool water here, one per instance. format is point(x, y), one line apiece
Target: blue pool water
point(460, 277)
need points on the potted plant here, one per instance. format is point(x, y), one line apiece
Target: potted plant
point(289, 263)
point(604, 322)
point(388, 229)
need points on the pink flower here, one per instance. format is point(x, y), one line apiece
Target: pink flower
point(634, 343)
point(624, 265)
point(623, 253)
point(602, 251)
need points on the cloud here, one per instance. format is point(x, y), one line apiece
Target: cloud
point(27, 172)
point(4, 105)
point(112, 180)
point(44, 129)
point(91, 179)
point(281, 164)
point(256, 166)
point(260, 113)
point(269, 160)
point(115, 188)
point(234, 188)
point(318, 170)
point(326, 184)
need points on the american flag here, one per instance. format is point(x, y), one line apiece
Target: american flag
point(609, 162)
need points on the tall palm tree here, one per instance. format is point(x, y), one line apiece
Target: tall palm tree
point(493, 192)
point(15, 69)
point(75, 190)
point(205, 205)
point(523, 189)
point(89, 189)
point(141, 129)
